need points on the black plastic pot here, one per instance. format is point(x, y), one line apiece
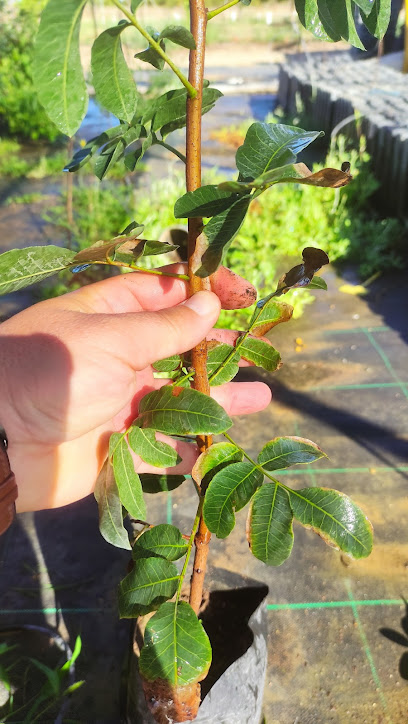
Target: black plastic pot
point(235, 620)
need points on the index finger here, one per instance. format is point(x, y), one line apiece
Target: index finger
point(139, 291)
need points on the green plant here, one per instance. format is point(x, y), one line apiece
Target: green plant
point(57, 686)
point(14, 164)
point(176, 653)
point(21, 114)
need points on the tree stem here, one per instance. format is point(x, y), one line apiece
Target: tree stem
point(190, 88)
point(196, 248)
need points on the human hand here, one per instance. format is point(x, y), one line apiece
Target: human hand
point(73, 370)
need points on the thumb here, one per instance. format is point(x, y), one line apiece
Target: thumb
point(144, 337)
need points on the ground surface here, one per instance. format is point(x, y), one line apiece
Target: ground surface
point(345, 386)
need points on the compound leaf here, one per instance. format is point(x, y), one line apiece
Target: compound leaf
point(269, 529)
point(57, 70)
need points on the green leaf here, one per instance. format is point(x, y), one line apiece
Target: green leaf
point(74, 687)
point(377, 18)
point(270, 533)
point(152, 581)
point(288, 172)
point(365, 5)
point(134, 4)
point(83, 155)
point(51, 674)
point(181, 411)
point(179, 35)
point(20, 268)
point(57, 71)
point(114, 86)
point(260, 353)
point(219, 233)
point(152, 451)
point(169, 364)
point(152, 247)
point(329, 19)
point(176, 647)
point(317, 283)
point(108, 157)
point(204, 201)
point(308, 13)
point(281, 452)
point(171, 113)
point(339, 15)
point(150, 55)
point(132, 159)
point(230, 489)
point(217, 457)
point(216, 364)
point(134, 229)
point(271, 314)
point(270, 145)
point(173, 98)
point(160, 483)
point(335, 517)
point(291, 173)
point(163, 540)
point(236, 187)
point(110, 509)
point(75, 654)
point(127, 479)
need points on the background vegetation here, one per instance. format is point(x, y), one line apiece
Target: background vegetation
point(344, 223)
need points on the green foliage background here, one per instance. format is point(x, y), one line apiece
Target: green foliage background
point(21, 114)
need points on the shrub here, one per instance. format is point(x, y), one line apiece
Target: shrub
point(21, 114)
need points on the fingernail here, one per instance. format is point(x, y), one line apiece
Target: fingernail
point(202, 303)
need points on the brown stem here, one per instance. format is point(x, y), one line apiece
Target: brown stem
point(198, 23)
